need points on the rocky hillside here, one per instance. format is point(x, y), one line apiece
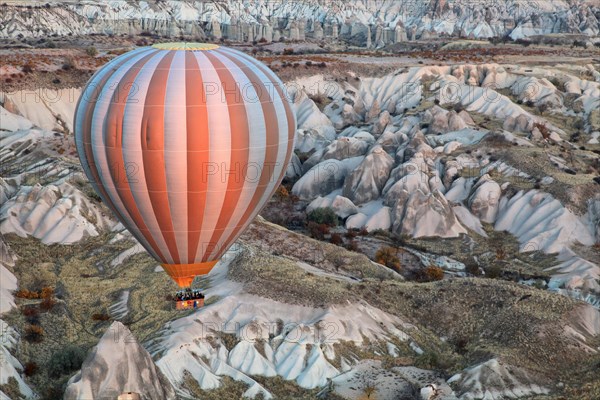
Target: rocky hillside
point(447, 151)
point(360, 22)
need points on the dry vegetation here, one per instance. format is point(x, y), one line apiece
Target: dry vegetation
point(76, 310)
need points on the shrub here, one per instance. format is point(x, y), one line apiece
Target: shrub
point(31, 314)
point(30, 311)
point(432, 273)
point(91, 51)
point(34, 333)
point(500, 253)
point(388, 256)
point(47, 292)
point(336, 239)
point(323, 216)
point(65, 361)
point(100, 317)
point(317, 231)
point(288, 51)
point(493, 272)
point(47, 304)
point(351, 233)
point(542, 108)
point(282, 192)
point(28, 67)
point(352, 245)
point(30, 368)
point(472, 268)
point(27, 294)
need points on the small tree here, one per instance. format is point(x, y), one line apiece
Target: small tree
point(47, 292)
point(493, 272)
point(336, 239)
point(388, 256)
point(30, 368)
point(352, 245)
point(432, 273)
point(317, 231)
point(91, 51)
point(66, 361)
point(543, 129)
point(47, 296)
point(323, 215)
point(34, 333)
point(472, 268)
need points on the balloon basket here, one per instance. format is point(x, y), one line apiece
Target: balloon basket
point(183, 305)
point(188, 299)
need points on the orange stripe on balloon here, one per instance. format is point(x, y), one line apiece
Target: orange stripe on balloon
point(291, 121)
point(153, 152)
point(197, 151)
point(90, 106)
point(272, 139)
point(113, 130)
point(240, 143)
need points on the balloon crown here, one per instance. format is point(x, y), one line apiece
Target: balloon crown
point(185, 46)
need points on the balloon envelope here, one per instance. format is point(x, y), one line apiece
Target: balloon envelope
point(185, 143)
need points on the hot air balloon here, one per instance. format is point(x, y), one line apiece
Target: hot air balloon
point(185, 143)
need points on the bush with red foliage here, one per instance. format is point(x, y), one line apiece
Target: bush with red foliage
point(31, 314)
point(282, 192)
point(47, 292)
point(100, 317)
point(351, 233)
point(48, 304)
point(27, 294)
point(30, 311)
point(543, 129)
point(317, 231)
point(30, 368)
point(388, 256)
point(336, 239)
point(352, 245)
point(34, 333)
point(431, 274)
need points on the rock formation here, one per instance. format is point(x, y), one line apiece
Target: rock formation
point(119, 364)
